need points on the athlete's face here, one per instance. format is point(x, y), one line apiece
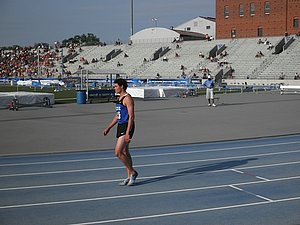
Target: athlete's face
point(117, 88)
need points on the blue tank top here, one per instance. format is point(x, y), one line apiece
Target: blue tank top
point(122, 111)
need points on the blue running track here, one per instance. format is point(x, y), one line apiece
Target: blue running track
point(241, 182)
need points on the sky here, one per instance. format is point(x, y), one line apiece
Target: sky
point(26, 22)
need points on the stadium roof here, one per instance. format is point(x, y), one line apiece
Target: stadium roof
point(154, 35)
point(159, 34)
point(187, 35)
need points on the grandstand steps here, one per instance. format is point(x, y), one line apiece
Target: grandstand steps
point(188, 57)
point(241, 57)
point(288, 63)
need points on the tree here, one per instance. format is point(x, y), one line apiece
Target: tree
point(88, 40)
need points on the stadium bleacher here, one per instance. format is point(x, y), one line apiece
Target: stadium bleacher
point(240, 56)
point(288, 63)
point(182, 59)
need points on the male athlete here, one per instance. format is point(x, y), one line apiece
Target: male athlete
point(125, 120)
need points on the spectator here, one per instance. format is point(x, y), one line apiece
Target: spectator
point(207, 37)
point(282, 76)
point(270, 46)
point(259, 54)
point(266, 42)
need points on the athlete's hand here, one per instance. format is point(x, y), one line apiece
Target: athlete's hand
point(127, 138)
point(106, 131)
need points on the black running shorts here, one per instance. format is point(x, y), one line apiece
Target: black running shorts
point(121, 130)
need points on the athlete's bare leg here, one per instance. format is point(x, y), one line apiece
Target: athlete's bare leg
point(122, 152)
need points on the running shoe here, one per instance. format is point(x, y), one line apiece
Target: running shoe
point(213, 105)
point(132, 179)
point(124, 182)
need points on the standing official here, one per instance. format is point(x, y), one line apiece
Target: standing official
point(209, 84)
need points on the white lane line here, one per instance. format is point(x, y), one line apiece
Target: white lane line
point(143, 194)
point(144, 178)
point(185, 212)
point(65, 184)
point(237, 171)
point(249, 174)
point(149, 165)
point(262, 178)
point(148, 155)
point(57, 161)
point(250, 193)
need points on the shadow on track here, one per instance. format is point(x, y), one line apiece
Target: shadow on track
point(196, 170)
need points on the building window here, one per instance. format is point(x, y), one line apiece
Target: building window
point(226, 11)
point(296, 22)
point(195, 24)
point(267, 8)
point(207, 27)
point(252, 9)
point(188, 28)
point(241, 10)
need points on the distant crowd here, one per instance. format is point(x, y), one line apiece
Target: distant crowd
point(32, 62)
point(23, 62)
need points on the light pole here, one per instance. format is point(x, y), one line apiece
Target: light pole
point(38, 62)
point(62, 63)
point(131, 28)
point(155, 21)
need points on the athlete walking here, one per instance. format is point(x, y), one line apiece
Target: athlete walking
point(125, 129)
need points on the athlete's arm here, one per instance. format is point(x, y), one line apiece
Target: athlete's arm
point(113, 122)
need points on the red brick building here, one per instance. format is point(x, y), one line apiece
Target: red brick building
point(256, 18)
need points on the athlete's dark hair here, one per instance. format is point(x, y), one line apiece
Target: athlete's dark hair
point(121, 82)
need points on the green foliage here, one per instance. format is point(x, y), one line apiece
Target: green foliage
point(85, 39)
point(88, 39)
point(41, 45)
point(11, 47)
